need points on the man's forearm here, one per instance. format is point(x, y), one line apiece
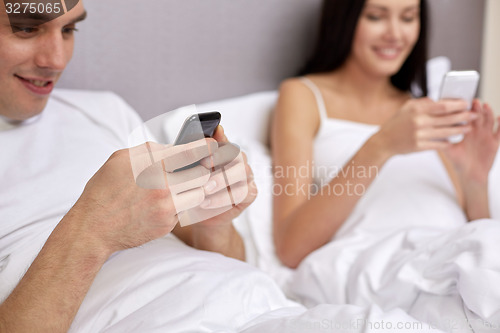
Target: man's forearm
point(222, 238)
point(52, 290)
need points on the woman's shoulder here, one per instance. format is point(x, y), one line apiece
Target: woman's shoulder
point(302, 88)
point(297, 101)
point(294, 84)
point(295, 91)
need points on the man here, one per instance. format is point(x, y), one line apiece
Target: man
point(51, 147)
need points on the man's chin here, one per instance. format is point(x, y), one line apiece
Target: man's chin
point(25, 112)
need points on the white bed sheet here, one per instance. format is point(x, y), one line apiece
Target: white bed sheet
point(442, 273)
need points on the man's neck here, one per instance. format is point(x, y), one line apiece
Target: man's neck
point(8, 124)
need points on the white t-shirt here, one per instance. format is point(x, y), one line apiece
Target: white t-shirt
point(45, 165)
point(46, 162)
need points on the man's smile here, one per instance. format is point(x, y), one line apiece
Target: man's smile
point(39, 86)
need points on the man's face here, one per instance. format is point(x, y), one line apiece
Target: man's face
point(32, 58)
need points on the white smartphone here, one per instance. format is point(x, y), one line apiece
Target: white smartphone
point(460, 85)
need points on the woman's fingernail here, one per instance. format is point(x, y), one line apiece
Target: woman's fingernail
point(474, 116)
point(205, 203)
point(210, 186)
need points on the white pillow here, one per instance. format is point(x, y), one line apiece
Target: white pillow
point(243, 118)
point(257, 219)
point(436, 70)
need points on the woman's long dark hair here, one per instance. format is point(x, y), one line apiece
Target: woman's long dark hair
point(339, 20)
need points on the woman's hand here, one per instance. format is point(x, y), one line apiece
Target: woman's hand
point(474, 156)
point(423, 124)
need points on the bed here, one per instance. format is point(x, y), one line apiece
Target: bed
point(436, 267)
point(230, 56)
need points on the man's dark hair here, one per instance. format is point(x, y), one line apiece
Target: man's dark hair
point(24, 14)
point(339, 19)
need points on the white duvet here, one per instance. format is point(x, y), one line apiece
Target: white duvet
point(443, 279)
point(165, 286)
point(439, 270)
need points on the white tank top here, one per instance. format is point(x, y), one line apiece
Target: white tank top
point(409, 190)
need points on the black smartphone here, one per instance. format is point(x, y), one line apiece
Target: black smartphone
point(198, 126)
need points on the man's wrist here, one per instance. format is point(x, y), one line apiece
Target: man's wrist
point(222, 238)
point(212, 233)
point(78, 230)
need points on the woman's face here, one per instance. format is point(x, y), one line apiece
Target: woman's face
point(386, 33)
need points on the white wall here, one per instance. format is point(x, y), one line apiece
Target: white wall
point(491, 55)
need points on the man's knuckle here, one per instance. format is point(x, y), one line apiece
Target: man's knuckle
point(419, 145)
point(166, 209)
point(160, 195)
point(120, 154)
point(416, 123)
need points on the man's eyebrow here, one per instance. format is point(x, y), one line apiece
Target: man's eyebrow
point(36, 19)
point(31, 19)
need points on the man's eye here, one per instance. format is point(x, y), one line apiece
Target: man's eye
point(69, 30)
point(24, 30)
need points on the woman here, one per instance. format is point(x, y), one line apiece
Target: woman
point(358, 84)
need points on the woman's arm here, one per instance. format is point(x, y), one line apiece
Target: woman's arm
point(303, 223)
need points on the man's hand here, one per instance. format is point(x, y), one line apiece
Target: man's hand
point(229, 191)
point(119, 214)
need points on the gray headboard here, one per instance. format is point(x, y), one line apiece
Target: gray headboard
point(162, 54)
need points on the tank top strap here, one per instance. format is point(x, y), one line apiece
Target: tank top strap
point(318, 96)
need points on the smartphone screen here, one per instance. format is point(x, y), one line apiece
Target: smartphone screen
point(198, 126)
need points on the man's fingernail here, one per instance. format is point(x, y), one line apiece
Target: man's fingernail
point(212, 146)
point(205, 203)
point(210, 186)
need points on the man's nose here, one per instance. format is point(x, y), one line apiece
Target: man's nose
point(51, 52)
